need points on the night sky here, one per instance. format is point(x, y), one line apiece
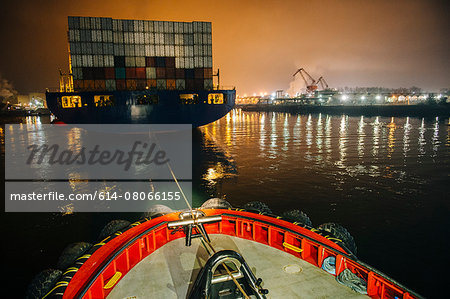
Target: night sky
point(257, 44)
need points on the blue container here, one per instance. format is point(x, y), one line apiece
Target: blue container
point(160, 62)
point(120, 73)
point(119, 61)
point(189, 73)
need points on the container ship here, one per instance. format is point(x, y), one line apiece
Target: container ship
point(216, 251)
point(139, 71)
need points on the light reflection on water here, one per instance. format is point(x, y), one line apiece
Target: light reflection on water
point(385, 180)
point(354, 156)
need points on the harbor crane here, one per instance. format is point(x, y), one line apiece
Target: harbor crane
point(322, 83)
point(311, 85)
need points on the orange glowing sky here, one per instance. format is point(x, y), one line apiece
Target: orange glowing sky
point(257, 44)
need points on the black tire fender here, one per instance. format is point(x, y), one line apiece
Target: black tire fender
point(341, 233)
point(71, 253)
point(112, 227)
point(297, 217)
point(216, 203)
point(42, 283)
point(257, 207)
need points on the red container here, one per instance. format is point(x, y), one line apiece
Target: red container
point(131, 84)
point(121, 84)
point(88, 74)
point(150, 61)
point(141, 84)
point(140, 73)
point(130, 72)
point(190, 84)
point(179, 73)
point(171, 84)
point(198, 73)
point(110, 73)
point(198, 83)
point(207, 73)
point(160, 73)
point(99, 73)
point(170, 73)
point(151, 83)
point(89, 85)
point(78, 85)
point(99, 85)
point(170, 62)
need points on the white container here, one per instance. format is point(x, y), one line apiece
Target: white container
point(147, 39)
point(89, 61)
point(180, 84)
point(147, 26)
point(117, 25)
point(208, 84)
point(77, 73)
point(152, 50)
point(140, 61)
point(118, 37)
point(169, 50)
point(83, 22)
point(108, 60)
point(129, 50)
point(74, 61)
point(139, 37)
point(73, 49)
point(210, 62)
point(106, 23)
point(74, 35)
point(170, 28)
point(130, 61)
point(169, 38)
point(119, 50)
point(150, 72)
point(96, 62)
point(110, 84)
point(161, 84)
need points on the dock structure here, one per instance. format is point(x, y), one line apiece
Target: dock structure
point(331, 97)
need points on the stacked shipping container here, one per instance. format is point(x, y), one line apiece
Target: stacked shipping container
point(112, 54)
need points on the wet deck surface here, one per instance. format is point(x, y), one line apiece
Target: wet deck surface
point(170, 271)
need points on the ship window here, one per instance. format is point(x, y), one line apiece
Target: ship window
point(147, 99)
point(104, 100)
point(71, 102)
point(215, 98)
point(188, 99)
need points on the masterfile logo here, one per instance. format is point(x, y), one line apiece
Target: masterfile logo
point(98, 152)
point(97, 168)
point(140, 153)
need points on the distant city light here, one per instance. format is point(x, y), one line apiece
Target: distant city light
point(378, 97)
point(363, 97)
point(344, 97)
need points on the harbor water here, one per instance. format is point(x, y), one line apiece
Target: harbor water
point(385, 179)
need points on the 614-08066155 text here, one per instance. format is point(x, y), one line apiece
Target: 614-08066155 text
point(97, 195)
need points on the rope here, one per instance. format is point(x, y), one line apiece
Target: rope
point(203, 236)
point(224, 265)
point(351, 280)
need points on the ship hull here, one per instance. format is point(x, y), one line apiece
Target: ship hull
point(169, 109)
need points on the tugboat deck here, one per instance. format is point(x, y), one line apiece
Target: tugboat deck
point(170, 271)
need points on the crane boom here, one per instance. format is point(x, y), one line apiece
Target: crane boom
point(310, 86)
point(322, 83)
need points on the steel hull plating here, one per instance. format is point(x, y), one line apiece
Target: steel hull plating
point(168, 110)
